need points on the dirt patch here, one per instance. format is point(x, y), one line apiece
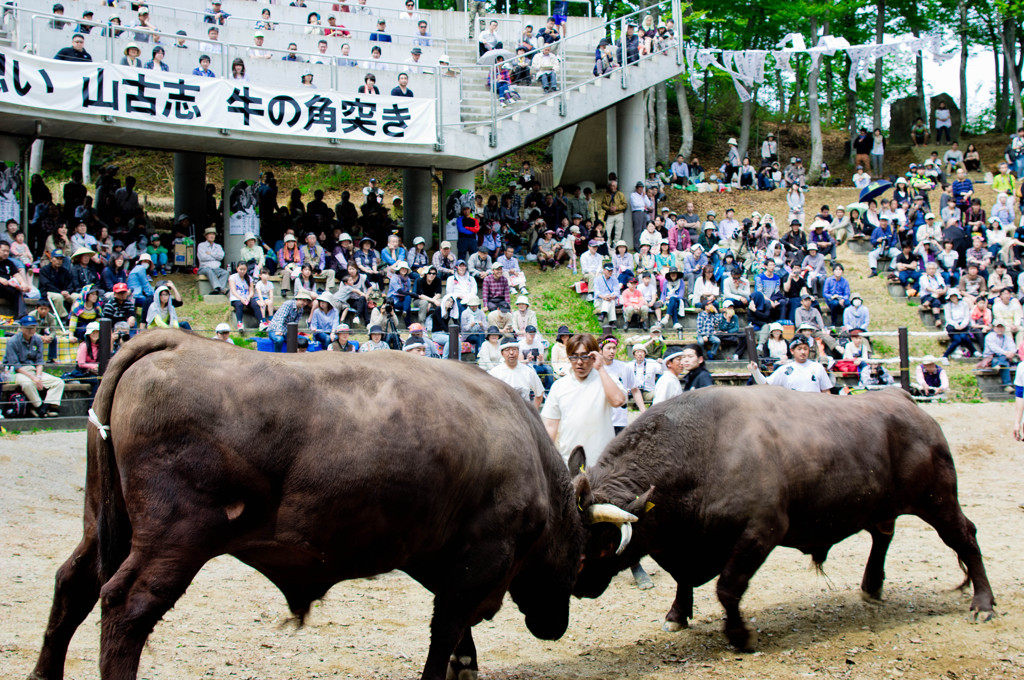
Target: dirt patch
point(233, 624)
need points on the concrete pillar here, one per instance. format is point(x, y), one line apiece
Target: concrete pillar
point(416, 195)
point(611, 130)
point(629, 118)
point(454, 180)
point(247, 169)
point(35, 164)
point(190, 185)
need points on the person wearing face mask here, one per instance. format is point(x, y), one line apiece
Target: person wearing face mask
point(856, 315)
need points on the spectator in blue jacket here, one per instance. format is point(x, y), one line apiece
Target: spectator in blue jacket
point(139, 282)
point(856, 315)
point(836, 292)
point(886, 243)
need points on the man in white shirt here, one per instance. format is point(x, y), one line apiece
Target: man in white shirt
point(801, 374)
point(578, 411)
point(622, 372)
point(211, 255)
point(590, 264)
point(639, 205)
point(728, 226)
point(532, 348)
point(519, 377)
point(668, 385)
point(257, 51)
point(489, 39)
point(645, 371)
point(860, 178)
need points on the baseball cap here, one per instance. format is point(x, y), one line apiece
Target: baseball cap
point(608, 266)
point(121, 287)
point(508, 341)
point(446, 244)
point(57, 252)
point(412, 342)
point(799, 340)
point(28, 320)
point(414, 328)
point(222, 328)
point(530, 329)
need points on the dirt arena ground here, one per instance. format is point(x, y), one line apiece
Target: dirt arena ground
point(233, 624)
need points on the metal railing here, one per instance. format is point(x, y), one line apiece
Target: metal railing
point(590, 38)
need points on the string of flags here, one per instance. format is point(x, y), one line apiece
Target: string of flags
point(747, 67)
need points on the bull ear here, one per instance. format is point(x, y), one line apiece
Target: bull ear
point(584, 496)
point(641, 504)
point(577, 461)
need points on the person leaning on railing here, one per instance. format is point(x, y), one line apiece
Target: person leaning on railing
point(76, 52)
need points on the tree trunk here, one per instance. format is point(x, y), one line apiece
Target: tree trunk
point(87, 164)
point(661, 112)
point(704, 87)
point(1009, 52)
point(745, 120)
point(963, 63)
point(829, 91)
point(813, 111)
point(794, 101)
point(922, 106)
point(781, 92)
point(879, 36)
point(851, 109)
point(686, 143)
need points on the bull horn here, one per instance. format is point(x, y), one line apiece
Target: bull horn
point(606, 512)
point(627, 533)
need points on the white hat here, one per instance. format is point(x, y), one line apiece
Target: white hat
point(522, 300)
point(709, 225)
point(249, 237)
point(732, 141)
point(344, 237)
point(291, 237)
point(222, 328)
point(418, 240)
point(400, 265)
point(471, 301)
point(930, 216)
point(145, 258)
point(928, 359)
point(444, 59)
point(775, 326)
point(638, 347)
point(92, 326)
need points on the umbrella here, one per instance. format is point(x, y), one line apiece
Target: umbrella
point(860, 207)
point(875, 189)
point(491, 56)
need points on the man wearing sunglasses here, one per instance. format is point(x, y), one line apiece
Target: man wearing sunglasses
point(579, 407)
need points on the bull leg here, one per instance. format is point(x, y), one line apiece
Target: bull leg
point(137, 596)
point(960, 534)
point(874, 572)
point(75, 593)
point(462, 665)
point(682, 609)
point(749, 553)
point(447, 629)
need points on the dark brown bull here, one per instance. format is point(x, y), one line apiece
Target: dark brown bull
point(314, 469)
point(712, 481)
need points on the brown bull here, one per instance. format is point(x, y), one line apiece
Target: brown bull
point(709, 483)
point(314, 469)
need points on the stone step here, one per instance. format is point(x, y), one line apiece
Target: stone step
point(64, 423)
point(211, 299)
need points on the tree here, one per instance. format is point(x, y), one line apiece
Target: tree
point(876, 119)
point(814, 112)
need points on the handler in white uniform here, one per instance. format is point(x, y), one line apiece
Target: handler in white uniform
point(668, 385)
point(519, 377)
point(800, 375)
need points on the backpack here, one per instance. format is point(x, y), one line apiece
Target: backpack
point(17, 406)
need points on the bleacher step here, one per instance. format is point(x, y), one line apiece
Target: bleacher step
point(42, 424)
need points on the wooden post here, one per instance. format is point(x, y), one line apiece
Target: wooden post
point(751, 343)
point(104, 349)
point(292, 337)
point(454, 345)
point(904, 359)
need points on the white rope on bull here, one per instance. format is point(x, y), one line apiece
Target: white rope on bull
point(95, 420)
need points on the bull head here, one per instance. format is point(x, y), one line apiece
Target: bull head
point(606, 512)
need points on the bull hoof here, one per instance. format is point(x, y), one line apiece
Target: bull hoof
point(644, 582)
point(460, 668)
point(673, 626)
point(743, 639)
point(873, 597)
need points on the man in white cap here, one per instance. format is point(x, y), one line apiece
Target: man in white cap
point(518, 376)
point(732, 161)
point(800, 375)
point(668, 385)
point(211, 257)
point(222, 332)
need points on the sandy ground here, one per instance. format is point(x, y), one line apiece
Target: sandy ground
point(233, 624)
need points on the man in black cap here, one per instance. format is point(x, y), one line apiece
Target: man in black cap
point(55, 283)
point(640, 205)
point(517, 375)
point(415, 345)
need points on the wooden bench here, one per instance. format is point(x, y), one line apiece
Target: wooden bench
point(991, 385)
point(859, 243)
point(75, 402)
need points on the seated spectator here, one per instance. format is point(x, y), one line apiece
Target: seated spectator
point(972, 159)
point(857, 349)
point(861, 179)
point(957, 313)
point(422, 38)
point(402, 89)
point(497, 291)
point(1007, 310)
point(24, 356)
point(340, 341)
point(705, 288)
point(204, 67)
point(131, 56)
point(473, 321)
point(156, 62)
point(120, 307)
point(1001, 351)
point(708, 320)
point(489, 39)
point(874, 376)
point(241, 294)
point(289, 312)
point(606, 294)
point(376, 341)
point(324, 319)
point(161, 312)
point(381, 34)
point(488, 355)
point(76, 52)
point(400, 292)
point(532, 349)
point(929, 378)
point(544, 65)
point(605, 61)
point(634, 305)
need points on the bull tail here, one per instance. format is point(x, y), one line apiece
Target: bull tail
point(967, 576)
point(113, 526)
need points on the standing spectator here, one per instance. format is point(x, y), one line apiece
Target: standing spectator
point(769, 150)
point(24, 354)
point(862, 146)
point(640, 204)
point(579, 408)
point(211, 257)
point(614, 204)
point(877, 152)
point(12, 289)
point(943, 124)
point(801, 375)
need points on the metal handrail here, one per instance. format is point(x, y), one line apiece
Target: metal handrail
point(230, 50)
point(607, 30)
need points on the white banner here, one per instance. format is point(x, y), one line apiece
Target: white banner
point(130, 94)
